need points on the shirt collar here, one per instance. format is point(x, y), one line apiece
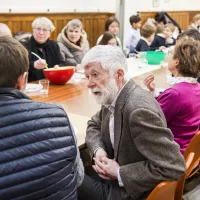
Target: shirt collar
point(142, 38)
point(161, 35)
point(112, 106)
point(175, 80)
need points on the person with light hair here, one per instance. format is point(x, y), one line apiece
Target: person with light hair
point(48, 50)
point(73, 42)
point(128, 139)
point(180, 103)
point(4, 30)
point(195, 23)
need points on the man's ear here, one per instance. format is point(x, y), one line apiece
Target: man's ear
point(21, 81)
point(120, 74)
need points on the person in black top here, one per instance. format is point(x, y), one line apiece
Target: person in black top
point(47, 49)
point(164, 18)
point(164, 37)
point(147, 36)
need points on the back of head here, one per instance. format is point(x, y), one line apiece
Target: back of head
point(110, 57)
point(74, 23)
point(134, 19)
point(43, 22)
point(188, 54)
point(4, 30)
point(160, 17)
point(14, 61)
point(192, 33)
point(147, 30)
point(109, 21)
point(106, 37)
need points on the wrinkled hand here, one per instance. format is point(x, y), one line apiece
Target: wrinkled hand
point(108, 168)
point(149, 82)
point(99, 154)
point(40, 64)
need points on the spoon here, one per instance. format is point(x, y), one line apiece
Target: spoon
point(37, 57)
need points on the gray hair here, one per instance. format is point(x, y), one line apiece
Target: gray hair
point(110, 57)
point(43, 22)
point(4, 30)
point(74, 23)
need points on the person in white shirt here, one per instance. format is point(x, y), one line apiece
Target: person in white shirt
point(134, 33)
point(127, 139)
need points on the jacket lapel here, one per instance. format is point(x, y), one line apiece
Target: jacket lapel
point(118, 115)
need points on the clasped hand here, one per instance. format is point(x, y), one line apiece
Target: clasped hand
point(105, 167)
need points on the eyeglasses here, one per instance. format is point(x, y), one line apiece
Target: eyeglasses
point(41, 29)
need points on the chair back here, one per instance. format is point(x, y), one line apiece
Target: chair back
point(181, 182)
point(194, 146)
point(163, 191)
point(192, 153)
point(166, 190)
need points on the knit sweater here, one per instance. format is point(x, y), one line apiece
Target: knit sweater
point(181, 107)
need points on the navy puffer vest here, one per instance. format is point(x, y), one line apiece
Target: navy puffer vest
point(37, 150)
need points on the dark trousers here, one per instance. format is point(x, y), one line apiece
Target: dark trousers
point(93, 188)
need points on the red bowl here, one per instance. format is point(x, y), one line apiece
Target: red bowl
point(59, 75)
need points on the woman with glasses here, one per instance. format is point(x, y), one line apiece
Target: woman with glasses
point(73, 42)
point(45, 48)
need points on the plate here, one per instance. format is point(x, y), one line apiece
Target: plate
point(33, 87)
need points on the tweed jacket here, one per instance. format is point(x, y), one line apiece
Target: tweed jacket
point(143, 146)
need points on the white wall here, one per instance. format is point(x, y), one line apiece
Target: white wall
point(132, 6)
point(57, 6)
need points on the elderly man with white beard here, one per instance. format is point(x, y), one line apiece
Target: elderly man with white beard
point(131, 147)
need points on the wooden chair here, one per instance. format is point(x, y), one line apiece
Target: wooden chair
point(194, 146)
point(193, 150)
point(163, 191)
point(166, 190)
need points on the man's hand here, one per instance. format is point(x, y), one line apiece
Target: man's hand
point(40, 64)
point(108, 168)
point(149, 82)
point(99, 154)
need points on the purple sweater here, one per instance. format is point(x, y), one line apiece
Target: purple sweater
point(181, 106)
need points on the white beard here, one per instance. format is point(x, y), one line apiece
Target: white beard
point(108, 93)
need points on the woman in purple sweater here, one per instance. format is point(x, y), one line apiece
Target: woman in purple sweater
point(181, 102)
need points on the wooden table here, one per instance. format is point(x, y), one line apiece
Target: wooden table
point(78, 101)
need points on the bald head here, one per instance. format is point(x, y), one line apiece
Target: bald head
point(4, 30)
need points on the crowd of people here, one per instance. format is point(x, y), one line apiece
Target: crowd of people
point(135, 141)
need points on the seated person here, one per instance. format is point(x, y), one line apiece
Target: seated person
point(193, 33)
point(112, 25)
point(4, 30)
point(47, 49)
point(73, 42)
point(164, 37)
point(195, 23)
point(108, 39)
point(180, 103)
point(127, 139)
point(147, 36)
point(164, 18)
point(38, 151)
point(134, 33)
point(22, 36)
